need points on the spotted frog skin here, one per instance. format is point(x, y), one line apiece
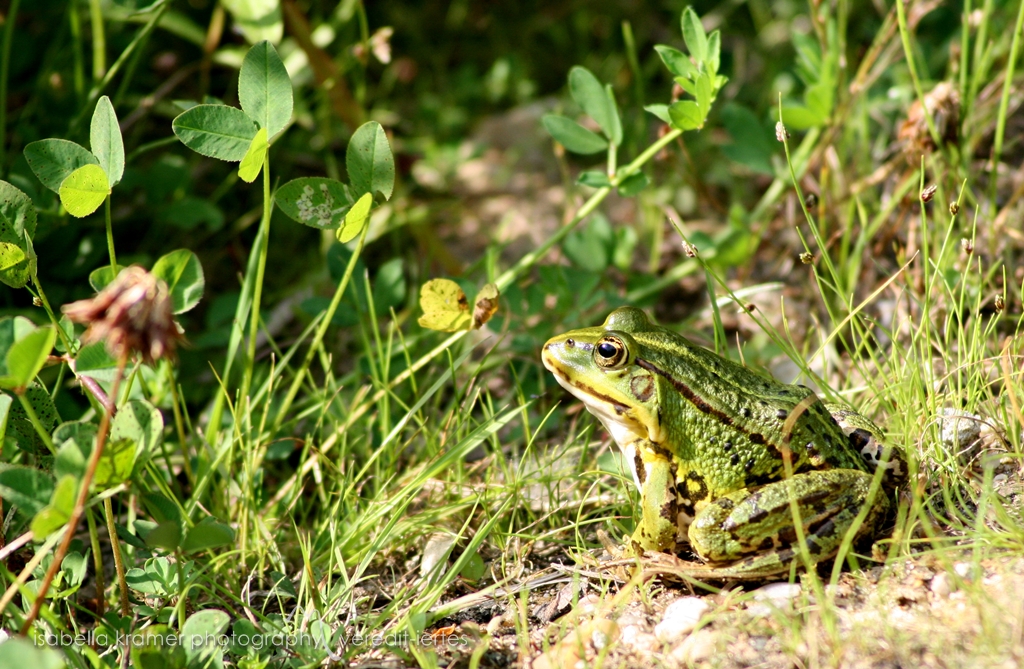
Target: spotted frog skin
point(707, 441)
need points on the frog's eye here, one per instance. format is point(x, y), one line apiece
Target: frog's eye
point(610, 352)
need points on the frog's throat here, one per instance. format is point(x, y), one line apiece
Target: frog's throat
point(618, 418)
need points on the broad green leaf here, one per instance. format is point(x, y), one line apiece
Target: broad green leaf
point(6, 401)
point(21, 652)
point(694, 36)
point(633, 184)
point(216, 131)
point(685, 115)
point(714, 51)
point(208, 533)
point(591, 248)
point(84, 190)
point(16, 268)
point(198, 631)
point(165, 535)
point(355, 219)
point(116, 463)
point(677, 62)
point(318, 202)
point(105, 140)
point(17, 214)
point(445, 306)
point(753, 145)
point(25, 487)
point(594, 179)
point(257, 19)
point(74, 441)
point(20, 429)
point(141, 423)
point(254, 157)
point(27, 356)
point(52, 160)
point(94, 358)
point(101, 277)
point(58, 511)
point(161, 507)
point(661, 111)
point(389, 286)
point(264, 89)
point(183, 274)
point(11, 330)
point(573, 136)
point(151, 650)
point(819, 100)
point(703, 95)
point(797, 117)
point(589, 94)
point(75, 565)
point(370, 164)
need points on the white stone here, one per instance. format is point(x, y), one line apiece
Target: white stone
point(696, 648)
point(680, 618)
point(772, 597)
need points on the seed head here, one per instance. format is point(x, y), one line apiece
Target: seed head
point(132, 314)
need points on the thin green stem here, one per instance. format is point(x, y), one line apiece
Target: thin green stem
point(38, 292)
point(1004, 105)
point(97, 561)
point(115, 546)
point(321, 331)
point(254, 315)
point(901, 17)
point(110, 237)
point(99, 40)
point(5, 69)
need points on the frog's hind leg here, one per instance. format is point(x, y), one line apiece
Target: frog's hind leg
point(752, 534)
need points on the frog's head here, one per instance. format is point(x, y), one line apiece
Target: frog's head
point(598, 365)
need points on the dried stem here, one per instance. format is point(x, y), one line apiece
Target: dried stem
point(83, 495)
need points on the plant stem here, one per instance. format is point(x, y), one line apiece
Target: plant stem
point(908, 52)
point(110, 238)
point(97, 561)
point(5, 68)
point(1004, 104)
point(83, 495)
point(321, 331)
point(115, 546)
point(99, 40)
point(257, 294)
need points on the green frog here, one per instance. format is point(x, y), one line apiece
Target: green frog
point(720, 453)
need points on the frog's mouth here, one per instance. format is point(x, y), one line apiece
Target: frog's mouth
point(616, 417)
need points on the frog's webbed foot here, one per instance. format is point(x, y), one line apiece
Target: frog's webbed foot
point(749, 535)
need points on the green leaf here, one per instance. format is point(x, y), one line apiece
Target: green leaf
point(84, 190)
point(27, 356)
point(17, 227)
point(685, 115)
point(165, 535)
point(199, 629)
point(264, 88)
point(318, 202)
point(589, 94)
point(370, 164)
point(19, 652)
point(389, 286)
point(573, 136)
point(797, 117)
point(52, 160)
point(694, 36)
point(75, 566)
point(141, 423)
point(20, 429)
point(105, 140)
point(216, 131)
point(25, 487)
point(208, 533)
point(594, 179)
point(254, 157)
point(101, 277)
point(590, 248)
point(819, 100)
point(677, 62)
point(16, 268)
point(661, 111)
point(703, 95)
point(633, 184)
point(151, 650)
point(714, 52)
point(355, 219)
point(58, 511)
point(183, 274)
point(752, 145)
point(74, 441)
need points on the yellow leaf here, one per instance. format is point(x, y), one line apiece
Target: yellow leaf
point(355, 219)
point(444, 305)
point(254, 157)
point(84, 190)
point(486, 305)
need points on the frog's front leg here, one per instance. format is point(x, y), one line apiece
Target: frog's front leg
point(751, 534)
point(659, 515)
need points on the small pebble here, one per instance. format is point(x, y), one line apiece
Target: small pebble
point(772, 597)
point(940, 585)
point(680, 618)
point(696, 648)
